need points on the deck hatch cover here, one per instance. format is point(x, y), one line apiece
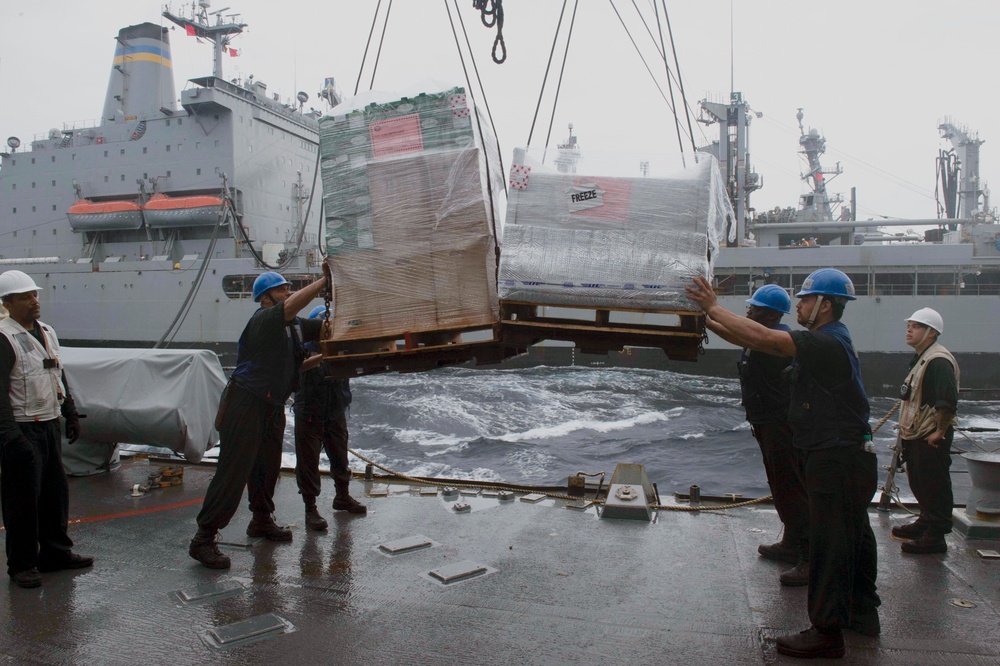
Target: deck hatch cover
point(247, 631)
point(209, 591)
point(406, 545)
point(458, 571)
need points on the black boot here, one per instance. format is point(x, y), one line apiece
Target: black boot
point(813, 643)
point(929, 542)
point(783, 551)
point(909, 530)
point(343, 501)
point(797, 576)
point(314, 521)
point(263, 525)
point(204, 549)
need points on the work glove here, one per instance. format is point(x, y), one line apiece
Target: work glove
point(73, 426)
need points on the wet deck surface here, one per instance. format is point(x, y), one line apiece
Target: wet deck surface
point(561, 587)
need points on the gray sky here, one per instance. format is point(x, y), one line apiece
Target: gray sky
point(876, 76)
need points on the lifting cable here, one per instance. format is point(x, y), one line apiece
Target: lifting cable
point(670, 87)
point(182, 313)
point(562, 69)
point(649, 32)
point(368, 44)
point(479, 126)
point(545, 78)
point(643, 59)
point(494, 8)
point(680, 81)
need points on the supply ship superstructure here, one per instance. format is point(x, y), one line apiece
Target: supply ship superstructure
point(150, 225)
point(953, 267)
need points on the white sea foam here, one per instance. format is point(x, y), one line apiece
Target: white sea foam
point(574, 425)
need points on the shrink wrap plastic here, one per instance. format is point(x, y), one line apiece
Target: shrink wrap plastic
point(409, 184)
point(602, 240)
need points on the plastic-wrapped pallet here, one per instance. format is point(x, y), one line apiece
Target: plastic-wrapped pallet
point(611, 241)
point(408, 183)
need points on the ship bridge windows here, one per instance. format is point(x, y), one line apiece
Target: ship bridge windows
point(238, 287)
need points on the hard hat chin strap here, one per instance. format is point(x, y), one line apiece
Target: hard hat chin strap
point(815, 311)
point(927, 331)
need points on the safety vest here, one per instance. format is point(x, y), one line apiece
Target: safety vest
point(766, 393)
point(36, 388)
point(916, 421)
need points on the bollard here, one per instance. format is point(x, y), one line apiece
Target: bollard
point(694, 495)
point(368, 472)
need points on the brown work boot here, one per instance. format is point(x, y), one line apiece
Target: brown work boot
point(28, 578)
point(314, 521)
point(797, 576)
point(783, 551)
point(344, 502)
point(928, 542)
point(263, 525)
point(813, 643)
point(69, 560)
point(909, 530)
point(204, 549)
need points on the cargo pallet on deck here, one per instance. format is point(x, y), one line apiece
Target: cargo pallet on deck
point(413, 351)
point(522, 325)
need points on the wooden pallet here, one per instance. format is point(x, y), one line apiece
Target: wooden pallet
point(522, 325)
point(413, 351)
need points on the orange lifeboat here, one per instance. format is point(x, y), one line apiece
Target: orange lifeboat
point(192, 211)
point(87, 215)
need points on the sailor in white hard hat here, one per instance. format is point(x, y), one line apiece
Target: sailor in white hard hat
point(33, 395)
point(929, 401)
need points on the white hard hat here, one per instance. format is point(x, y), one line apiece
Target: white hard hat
point(929, 318)
point(16, 282)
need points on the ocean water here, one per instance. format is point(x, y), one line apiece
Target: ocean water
point(540, 425)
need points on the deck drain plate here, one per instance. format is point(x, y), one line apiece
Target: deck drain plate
point(458, 572)
point(247, 631)
point(209, 592)
point(405, 545)
point(962, 603)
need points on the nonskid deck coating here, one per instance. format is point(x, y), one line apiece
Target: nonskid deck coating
point(564, 587)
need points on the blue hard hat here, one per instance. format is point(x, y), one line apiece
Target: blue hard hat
point(772, 296)
point(317, 312)
point(828, 282)
point(265, 282)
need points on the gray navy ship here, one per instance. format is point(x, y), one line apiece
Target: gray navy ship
point(149, 227)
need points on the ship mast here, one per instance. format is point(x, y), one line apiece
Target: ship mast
point(973, 196)
point(220, 34)
point(732, 151)
point(817, 206)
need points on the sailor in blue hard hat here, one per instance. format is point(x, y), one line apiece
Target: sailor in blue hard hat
point(251, 417)
point(829, 414)
point(765, 395)
point(321, 405)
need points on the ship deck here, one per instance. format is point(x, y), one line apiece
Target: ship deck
point(559, 587)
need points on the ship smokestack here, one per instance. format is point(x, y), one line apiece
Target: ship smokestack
point(142, 78)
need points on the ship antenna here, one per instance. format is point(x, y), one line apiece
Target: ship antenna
point(220, 34)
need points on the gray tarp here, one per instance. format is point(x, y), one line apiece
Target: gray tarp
point(157, 397)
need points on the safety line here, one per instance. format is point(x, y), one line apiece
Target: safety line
point(137, 512)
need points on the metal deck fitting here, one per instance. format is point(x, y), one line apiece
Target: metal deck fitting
point(630, 494)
